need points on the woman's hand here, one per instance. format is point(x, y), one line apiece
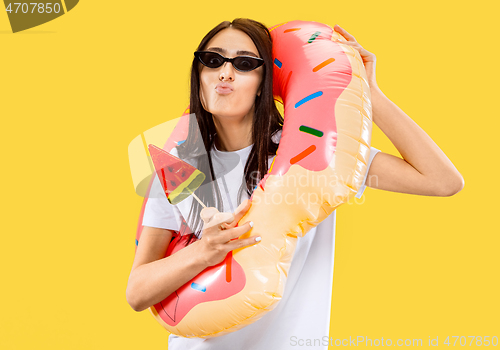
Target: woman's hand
point(220, 234)
point(369, 59)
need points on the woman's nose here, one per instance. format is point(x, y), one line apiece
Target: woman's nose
point(227, 72)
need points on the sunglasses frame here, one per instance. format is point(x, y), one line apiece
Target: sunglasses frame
point(260, 61)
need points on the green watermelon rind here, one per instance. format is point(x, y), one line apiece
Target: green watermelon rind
point(182, 192)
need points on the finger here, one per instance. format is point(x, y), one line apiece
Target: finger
point(207, 214)
point(350, 43)
point(240, 243)
point(225, 236)
point(240, 212)
point(239, 231)
point(344, 33)
point(243, 207)
point(339, 31)
point(219, 219)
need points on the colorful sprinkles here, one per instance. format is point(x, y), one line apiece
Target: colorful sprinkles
point(229, 259)
point(308, 98)
point(303, 154)
point(314, 36)
point(323, 64)
point(198, 287)
point(311, 131)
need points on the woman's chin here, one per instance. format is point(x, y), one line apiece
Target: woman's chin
point(226, 112)
point(226, 116)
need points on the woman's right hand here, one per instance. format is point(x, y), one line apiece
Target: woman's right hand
point(369, 58)
point(220, 234)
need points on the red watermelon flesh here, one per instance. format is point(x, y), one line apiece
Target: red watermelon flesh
point(178, 178)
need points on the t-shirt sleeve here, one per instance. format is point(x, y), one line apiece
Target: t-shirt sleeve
point(373, 152)
point(159, 212)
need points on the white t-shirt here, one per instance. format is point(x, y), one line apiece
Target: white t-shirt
point(302, 316)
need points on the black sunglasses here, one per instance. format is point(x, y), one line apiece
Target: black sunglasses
point(241, 63)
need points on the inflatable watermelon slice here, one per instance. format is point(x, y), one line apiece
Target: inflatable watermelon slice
point(178, 178)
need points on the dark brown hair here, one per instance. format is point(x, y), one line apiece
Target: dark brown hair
point(266, 122)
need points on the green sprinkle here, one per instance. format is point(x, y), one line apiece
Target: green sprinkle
point(311, 131)
point(314, 36)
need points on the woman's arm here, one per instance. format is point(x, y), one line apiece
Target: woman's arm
point(154, 276)
point(424, 168)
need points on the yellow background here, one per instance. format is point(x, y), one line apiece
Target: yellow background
point(75, 91)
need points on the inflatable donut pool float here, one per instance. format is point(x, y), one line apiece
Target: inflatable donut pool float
point(325, 140)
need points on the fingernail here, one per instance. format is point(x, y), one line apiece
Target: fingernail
point(251, 223)
point(257, 239)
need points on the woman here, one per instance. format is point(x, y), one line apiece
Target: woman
point(235, 111)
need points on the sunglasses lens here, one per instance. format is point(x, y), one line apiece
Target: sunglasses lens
point(211, 59)
point(245, 63)
point(214, 60)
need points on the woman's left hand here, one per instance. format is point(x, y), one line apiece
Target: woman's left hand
point(369, 59)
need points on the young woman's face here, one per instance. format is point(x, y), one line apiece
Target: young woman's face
point(238, 103)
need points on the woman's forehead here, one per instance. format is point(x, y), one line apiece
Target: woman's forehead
point(232, 42)
point(226, 52)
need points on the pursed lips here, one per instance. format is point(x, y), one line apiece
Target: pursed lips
point(224, 88)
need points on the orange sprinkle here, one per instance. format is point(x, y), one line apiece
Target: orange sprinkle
point(229, 259)
point(322, 64)
point(303, 154)
point(291, 30)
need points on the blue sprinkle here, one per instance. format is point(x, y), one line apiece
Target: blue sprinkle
point(180, 142)
point(308, 98)
point(278, 63)
point(199, 287)
point(136, 242)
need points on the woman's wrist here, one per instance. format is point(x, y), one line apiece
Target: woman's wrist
point(372, 83)
point(199, 259)
point(379, 102)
